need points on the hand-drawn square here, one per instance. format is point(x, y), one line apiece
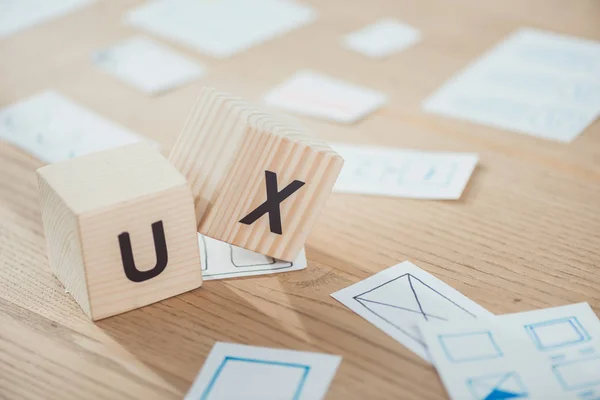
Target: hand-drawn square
point(578, 374)
point(466, 347)
point(497, 386)
point(413, 301)
point(549, 335)
point(224, 385)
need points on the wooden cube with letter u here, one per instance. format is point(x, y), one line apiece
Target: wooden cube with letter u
point(120, 229)
point(259, 181)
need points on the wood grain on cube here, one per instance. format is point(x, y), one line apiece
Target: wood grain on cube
point(226, 150)
point(90, 204)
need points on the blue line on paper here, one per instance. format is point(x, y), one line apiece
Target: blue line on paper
point(227, 359)
point(573, 324)
point(492, 352)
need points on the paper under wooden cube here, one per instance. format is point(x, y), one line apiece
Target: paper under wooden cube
point(120, 229)
point(259, 181)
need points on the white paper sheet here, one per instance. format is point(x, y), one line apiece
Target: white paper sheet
point(240, 372)
point(53, 128)
point(18, 15)
point(397, 299)
point(147, 65)
point(382, 38)
point(222, 260)
point(535, 82)
point(316, 95)
point(543, 354)
point(220, 28)
point(403, 173)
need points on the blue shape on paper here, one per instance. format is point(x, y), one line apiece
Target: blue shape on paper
point(457, 350)
point(228, 359)
point(497, 387)
point(549, 335)
point(575, 375)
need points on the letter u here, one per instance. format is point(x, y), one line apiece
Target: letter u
point(162, 257)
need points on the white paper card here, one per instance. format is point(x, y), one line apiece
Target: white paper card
point(53, 128)
point(382, 38)
point(536, 83)
point(240, 372)
point(147, 65)
point(403, 173)
point(18, 15)
point(220, 28)
point(397, 299)
point(543, 354)
point(222, 260)
point(316, 95)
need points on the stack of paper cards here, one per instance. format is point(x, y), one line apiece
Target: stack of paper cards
point(147, 65)
point(535, 82)
point(18, 15)
point(221, 28)
point(397, 299)
point(403, 173)
point(543, 354)
point(382, 39)
point(316, 95)
point(222, 260)
point(53, 128)
point(239, 372)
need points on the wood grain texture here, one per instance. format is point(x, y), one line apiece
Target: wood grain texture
point(89, 203)
point(226, 151)
point(525, 235)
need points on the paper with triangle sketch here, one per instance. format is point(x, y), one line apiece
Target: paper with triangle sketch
point(397, 299)
point(221, 260)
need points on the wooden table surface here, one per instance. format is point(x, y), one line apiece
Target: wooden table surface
point(525, 235)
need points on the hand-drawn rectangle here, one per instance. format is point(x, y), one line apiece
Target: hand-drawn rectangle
point(549, 335)
point(466, 347)
point(225, 385)
point(579, 374)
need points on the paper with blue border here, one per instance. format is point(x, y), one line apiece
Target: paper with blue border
point(407, 173)
point(543, 354)
point(241, 372)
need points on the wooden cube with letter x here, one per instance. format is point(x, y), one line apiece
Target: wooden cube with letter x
point(259, 181)
point(120, 229)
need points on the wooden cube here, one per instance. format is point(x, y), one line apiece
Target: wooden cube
point(258, 180)
point(120, 229)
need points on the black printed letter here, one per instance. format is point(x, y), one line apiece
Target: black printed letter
point(271, 205)
point(160, 246)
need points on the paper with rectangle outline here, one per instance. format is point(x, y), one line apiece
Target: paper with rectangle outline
point(222, 260)
point(54, 128)
point(537, 368)
point(506, 382)
point(147, 65)
point(319, 96)
point(221, 28)
point(19, 15)
point(403, 327)
point(385, 171)
point(554, 97)
point(382, 38)
point(321, 369)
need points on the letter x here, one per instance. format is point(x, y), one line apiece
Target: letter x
point(271, 205)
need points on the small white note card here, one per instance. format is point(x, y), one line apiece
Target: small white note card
point(382, 38)
point(403, 173)
point(240, 372)
point(53, 128)
point(222, 260)
point(537, 355)
point(397, 299)
point(535, 82)
point(317, 95)
point(220, 28)
point(147, 65)
point(18, 15)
